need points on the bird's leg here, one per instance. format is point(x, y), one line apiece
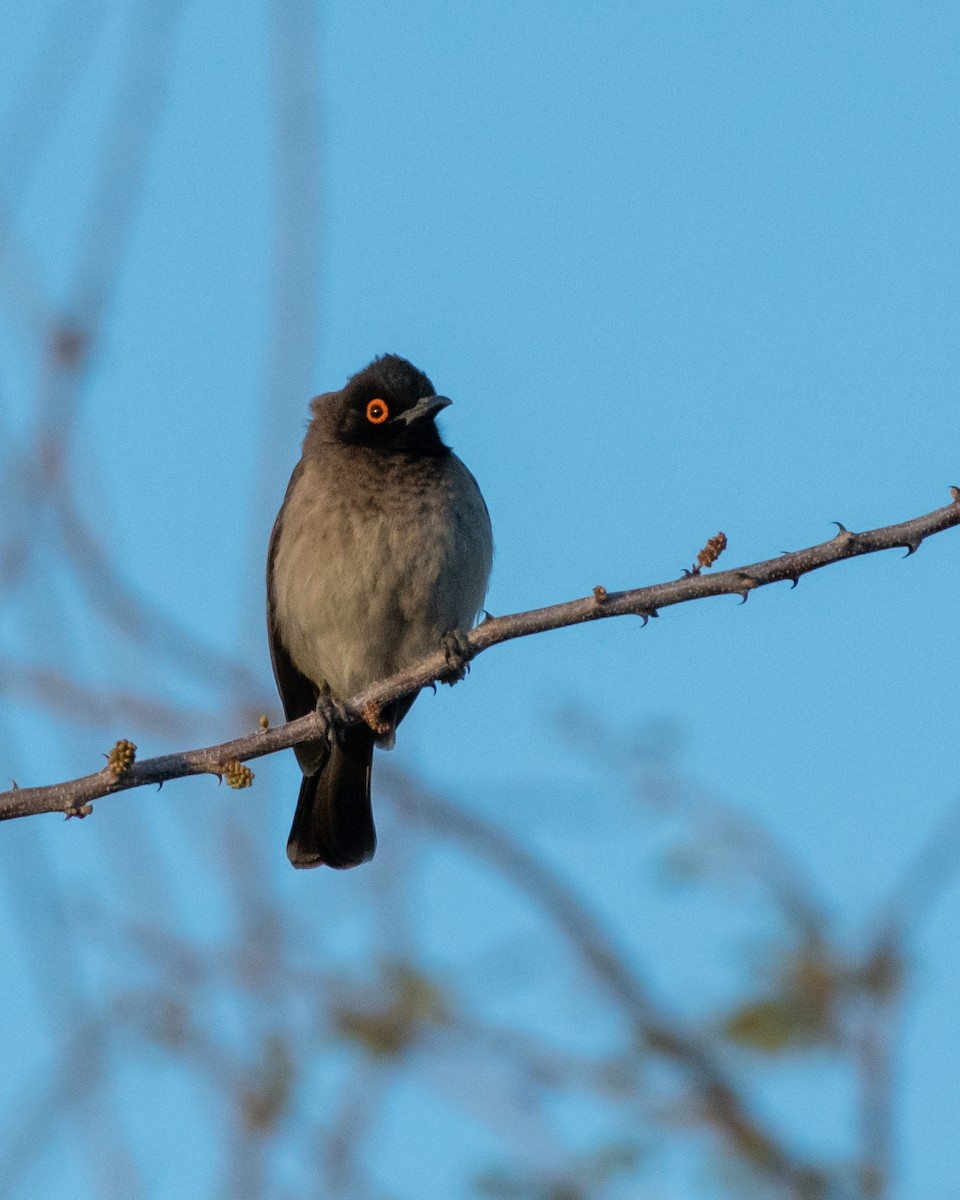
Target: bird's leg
point(334, 711)
point(458, 652)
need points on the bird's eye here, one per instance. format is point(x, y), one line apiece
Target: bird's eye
point(377, 412)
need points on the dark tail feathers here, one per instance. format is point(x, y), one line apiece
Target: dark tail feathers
point(333, 823)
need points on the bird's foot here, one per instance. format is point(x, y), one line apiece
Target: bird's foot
point(458, 652)
point(334, 712)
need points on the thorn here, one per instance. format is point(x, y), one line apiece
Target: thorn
point(955, 493)
point(487, 616)
point(913, 547)
point(433, 684)
point(14, 786)
point(599, 594)
point(843, 534)
point(749, 583)
point(794, 580)
point(688, 574)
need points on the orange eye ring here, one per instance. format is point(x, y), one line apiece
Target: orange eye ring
point(377, 412)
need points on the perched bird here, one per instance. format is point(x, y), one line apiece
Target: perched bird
point(380, 554)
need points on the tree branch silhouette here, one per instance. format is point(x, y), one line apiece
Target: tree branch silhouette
point(718, 1099)
point(75, 796)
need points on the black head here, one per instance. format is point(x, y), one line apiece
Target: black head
point(389, 406)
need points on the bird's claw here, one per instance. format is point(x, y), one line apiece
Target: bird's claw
point(333, 711)
point(458, 652)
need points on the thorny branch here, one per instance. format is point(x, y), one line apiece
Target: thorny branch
point(74, 796)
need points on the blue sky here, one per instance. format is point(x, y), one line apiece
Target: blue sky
point(682, 267)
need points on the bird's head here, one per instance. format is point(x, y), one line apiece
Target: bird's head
point(389, 406)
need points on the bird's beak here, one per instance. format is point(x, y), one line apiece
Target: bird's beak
point(427, 406)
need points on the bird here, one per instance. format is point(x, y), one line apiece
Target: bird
point(380, 554)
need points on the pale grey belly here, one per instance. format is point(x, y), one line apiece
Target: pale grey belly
point(363, 591)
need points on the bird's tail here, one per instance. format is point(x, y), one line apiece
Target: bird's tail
point(333, 823)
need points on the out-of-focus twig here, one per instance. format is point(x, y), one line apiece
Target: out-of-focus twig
point(918, 886)
point(96, 707)
point(723, 833)
point(718, 1098)
point(297, 242)
point(128, 610)
point(883, 952)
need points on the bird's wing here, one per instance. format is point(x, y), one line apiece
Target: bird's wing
point(298, 693)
